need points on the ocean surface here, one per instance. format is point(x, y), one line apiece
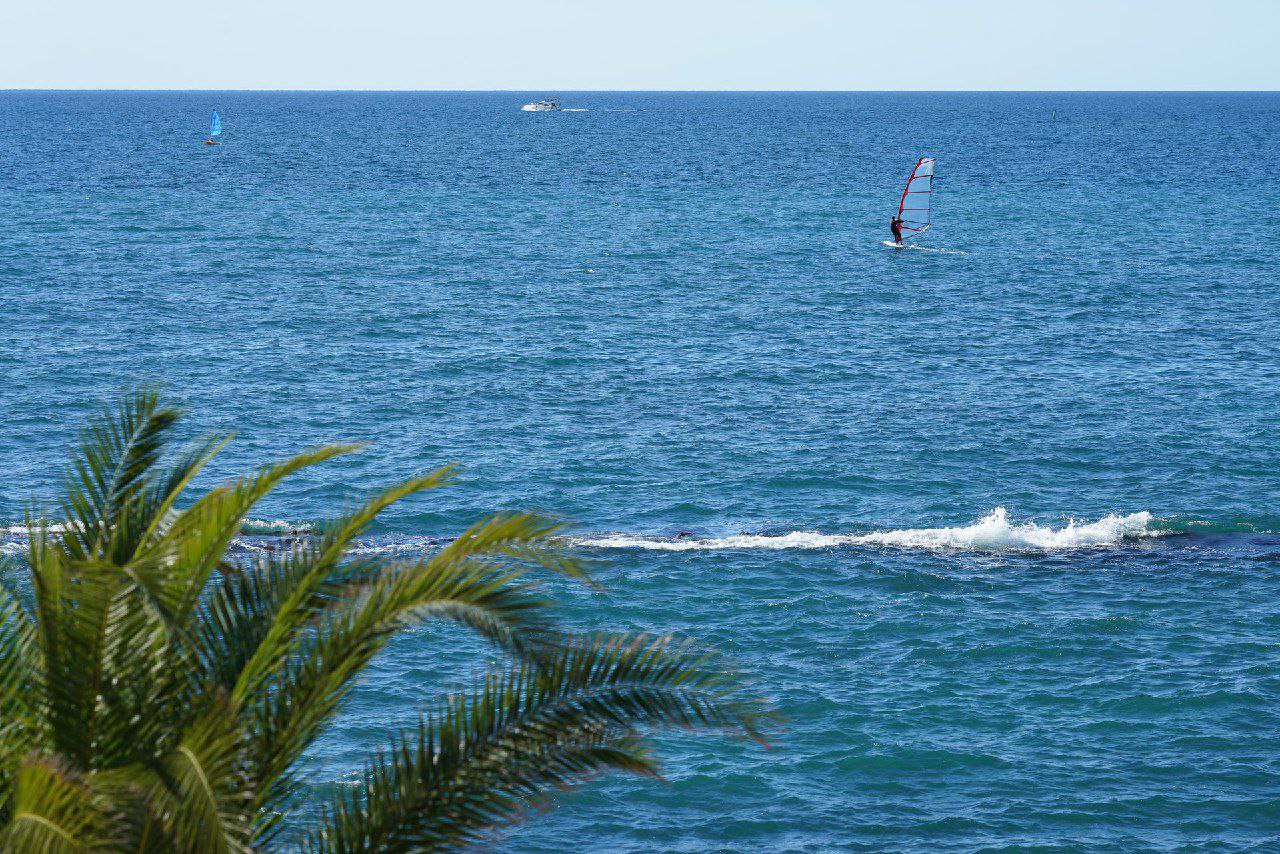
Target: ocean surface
point(995, 523)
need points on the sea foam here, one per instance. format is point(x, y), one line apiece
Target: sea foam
point(266, 527)
point(993, 533)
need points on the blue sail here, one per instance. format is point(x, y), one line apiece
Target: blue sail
point(215, 124)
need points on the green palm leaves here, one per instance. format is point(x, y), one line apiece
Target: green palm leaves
point(156, 696)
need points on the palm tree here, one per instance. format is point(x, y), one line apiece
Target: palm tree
point(157, 695)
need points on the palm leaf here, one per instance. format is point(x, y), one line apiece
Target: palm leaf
point(157, 695)
point(312, 685)
point(167, 491)
point(21, 685)
point(196, 542)
point(526, 537)
point(52, 813)
point(238, 611)
point(198, 790)
point(311, 581)
point(76, 667)
point(20, 659)
point(488, 757)
point(117, 454)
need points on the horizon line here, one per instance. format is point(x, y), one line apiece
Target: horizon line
point(657, 91)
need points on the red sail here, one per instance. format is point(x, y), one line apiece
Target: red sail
point(917, 199)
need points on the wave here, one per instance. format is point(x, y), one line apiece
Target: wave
point(252, 527)
point(992, 533)
point(1209, 527)
point(18, 530)
point(277, 527)
point(995, 533)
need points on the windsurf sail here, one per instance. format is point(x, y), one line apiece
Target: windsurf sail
point(915, 208)
point(215, 124)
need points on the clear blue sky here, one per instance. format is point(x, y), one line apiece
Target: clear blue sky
point(642, 44)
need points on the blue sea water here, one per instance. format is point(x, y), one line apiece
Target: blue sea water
point(996, 524)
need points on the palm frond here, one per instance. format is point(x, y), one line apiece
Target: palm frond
point(117, 453)
point(52, 812)
point(48, 574)
point(168, 490)
point(21, 664)
point(143, 700)
point(490, 756)
point(238, 611)
point(525, 537)
point(310, 583)
point(76, 669)
point(21, 686)
point(311, 686)
point(196, 542)
point(157, 694)
point(199, 791)
point(107, 690)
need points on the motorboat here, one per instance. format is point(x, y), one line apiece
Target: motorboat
point(544, 106)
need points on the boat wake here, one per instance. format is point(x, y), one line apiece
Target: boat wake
point(917, 247)
point(993, 533)
point(938, 251)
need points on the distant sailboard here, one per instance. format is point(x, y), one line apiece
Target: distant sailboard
point(915, 208)
point(215, 128)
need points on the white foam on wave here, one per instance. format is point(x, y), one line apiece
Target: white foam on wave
point(575, 109)
point(17, 530)
point(251, 526)
point(793, 540)
point(992, 533)
point(274, 526)
point(936, 249)
point(413, 545)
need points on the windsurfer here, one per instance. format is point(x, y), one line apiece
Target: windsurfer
point(895, 225)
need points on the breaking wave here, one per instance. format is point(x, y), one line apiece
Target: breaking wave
point(265, 527)
point(252, 527)
point(994, 533)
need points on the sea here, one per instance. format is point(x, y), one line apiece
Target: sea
point(993, 522)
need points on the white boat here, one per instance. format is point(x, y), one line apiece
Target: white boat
point(544, 106)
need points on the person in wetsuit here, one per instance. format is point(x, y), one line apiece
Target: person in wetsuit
point(895, 225)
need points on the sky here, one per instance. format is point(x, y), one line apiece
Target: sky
point(568, 45)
